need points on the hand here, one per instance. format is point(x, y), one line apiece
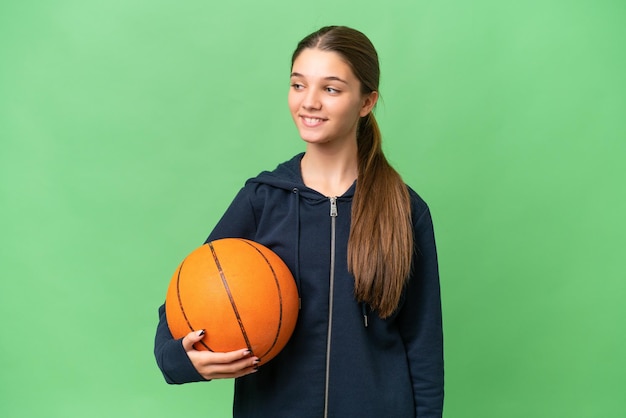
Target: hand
point(213, 365)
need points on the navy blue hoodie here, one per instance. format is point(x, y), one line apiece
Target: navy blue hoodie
point(342, 360)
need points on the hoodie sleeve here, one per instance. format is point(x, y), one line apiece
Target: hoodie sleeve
point(238, 221)
point(171, 356)
point(420, 322)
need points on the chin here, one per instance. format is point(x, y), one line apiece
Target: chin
point(314, 140)
point(309, 138)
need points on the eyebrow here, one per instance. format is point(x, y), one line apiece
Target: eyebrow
point(329, 78)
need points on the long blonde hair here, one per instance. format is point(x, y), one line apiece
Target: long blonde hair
point(380, 246)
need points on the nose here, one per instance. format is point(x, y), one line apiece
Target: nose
point(311, 100)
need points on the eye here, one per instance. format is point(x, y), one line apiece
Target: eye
point(331, 90)
point(297, 86)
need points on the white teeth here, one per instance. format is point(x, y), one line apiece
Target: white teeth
point(312, 120)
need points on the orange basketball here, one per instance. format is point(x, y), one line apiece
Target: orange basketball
point(240, 292)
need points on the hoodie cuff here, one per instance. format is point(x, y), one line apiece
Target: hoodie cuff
point(176, 366)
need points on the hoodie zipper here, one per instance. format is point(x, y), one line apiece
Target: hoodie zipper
point(333, 217)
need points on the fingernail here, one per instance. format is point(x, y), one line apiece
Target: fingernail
point(201, 333)
point(247, 353)
point(257, 361)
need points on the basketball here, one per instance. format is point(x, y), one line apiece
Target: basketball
point(240, 292)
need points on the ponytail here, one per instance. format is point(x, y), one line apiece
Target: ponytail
point(380, 246)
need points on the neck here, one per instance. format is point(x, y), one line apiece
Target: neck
point(329, 171)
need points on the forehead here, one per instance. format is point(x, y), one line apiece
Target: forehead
point(315, 63)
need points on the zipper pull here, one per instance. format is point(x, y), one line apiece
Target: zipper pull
point(333, 206)
point(364, 311)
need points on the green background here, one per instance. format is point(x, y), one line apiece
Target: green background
point(126, 128)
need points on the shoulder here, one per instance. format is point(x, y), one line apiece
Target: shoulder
point(281, 179)
point(286, 171)
point(419, 207)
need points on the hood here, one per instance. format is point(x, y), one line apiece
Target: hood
point(288, 176)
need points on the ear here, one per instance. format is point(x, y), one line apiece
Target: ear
point(369, 101)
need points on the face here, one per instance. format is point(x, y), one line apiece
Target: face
point(325, 98)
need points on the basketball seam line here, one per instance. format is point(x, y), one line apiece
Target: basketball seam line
point(230, 297)
point(280, 296)
point(182, 308)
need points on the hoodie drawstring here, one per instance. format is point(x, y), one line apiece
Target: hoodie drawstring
point(364, 312)
point(296, 192)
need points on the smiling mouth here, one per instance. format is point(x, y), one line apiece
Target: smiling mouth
point(312, 122)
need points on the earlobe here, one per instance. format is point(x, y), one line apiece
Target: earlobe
point(369, 103)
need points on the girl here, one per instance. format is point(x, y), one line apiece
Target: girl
point(360, 244)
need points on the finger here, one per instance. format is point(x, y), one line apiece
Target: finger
point(190, 339)
point(234, 375)
point(228, 357)
point(224, 362)
point(236, 369)
point(209, 363)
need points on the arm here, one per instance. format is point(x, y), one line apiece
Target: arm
point(171, 356)
point(420, 322)
point(178, 360)
point(181, 363)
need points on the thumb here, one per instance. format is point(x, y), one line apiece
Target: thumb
point(192, 338)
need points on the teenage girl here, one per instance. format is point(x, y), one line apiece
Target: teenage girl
point(360, 243)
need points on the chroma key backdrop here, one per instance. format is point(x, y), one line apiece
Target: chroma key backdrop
point(126, 128)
